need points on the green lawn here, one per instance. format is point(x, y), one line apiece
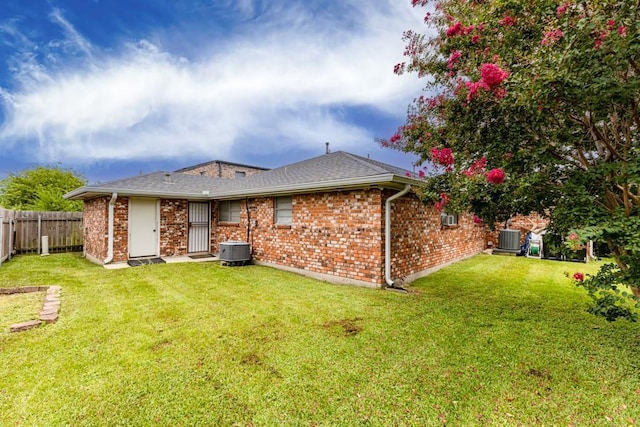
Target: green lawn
point(489, 341)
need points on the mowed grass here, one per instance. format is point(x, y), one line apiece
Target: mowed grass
point(488, 341)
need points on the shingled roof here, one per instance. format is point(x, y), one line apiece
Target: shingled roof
point(338, 170)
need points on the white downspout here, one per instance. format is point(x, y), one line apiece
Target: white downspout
point(112, 203)
point(387, 234)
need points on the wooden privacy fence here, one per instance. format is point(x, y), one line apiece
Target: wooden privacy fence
point(22, 232)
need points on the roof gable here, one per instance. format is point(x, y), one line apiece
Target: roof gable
point(328, 167)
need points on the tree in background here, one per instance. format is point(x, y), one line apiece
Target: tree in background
point(533, 106)
point(40, 189)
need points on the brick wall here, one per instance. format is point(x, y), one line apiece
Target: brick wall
point(341, 234)
point(222, 170)
point(95, 228)
point(96, 234)
point(337, 234)
point(421, 243)
point(121, 229)
point(173, 227)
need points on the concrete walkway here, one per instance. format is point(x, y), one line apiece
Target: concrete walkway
point(168, 260)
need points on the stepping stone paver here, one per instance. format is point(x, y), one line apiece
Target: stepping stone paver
point(50, 307)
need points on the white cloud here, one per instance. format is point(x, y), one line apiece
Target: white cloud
point(73, 40)
point(277, 83)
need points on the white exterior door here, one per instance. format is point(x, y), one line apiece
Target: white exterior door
point(199, 227)
point(143, 227)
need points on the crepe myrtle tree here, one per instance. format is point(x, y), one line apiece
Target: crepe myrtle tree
point(533, 106)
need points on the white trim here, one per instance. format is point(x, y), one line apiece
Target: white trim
point(383, 180)
point(112, 203)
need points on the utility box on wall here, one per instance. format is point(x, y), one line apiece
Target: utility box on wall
point(235, 252)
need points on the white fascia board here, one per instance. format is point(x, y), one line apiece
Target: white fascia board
point(390, 180)
point(104, 191)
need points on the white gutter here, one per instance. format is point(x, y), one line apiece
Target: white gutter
point(222, 194)
point(112, 203)
point(387, 234)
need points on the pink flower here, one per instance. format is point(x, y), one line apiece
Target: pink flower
point(611, 23)
point(473, 89)
point(455, 55)
point(421, 173)
point(476, 167)
point(455, 29)
point(578, 276)
point(562, 9)
point(477, 220)
point(500, 92)
point(495, 176)
point(442, 157)
point(573, 236)
point(598, 44)
point(550, 37)
point(444, 200)
point(492, 75)
point(622, 31)
point(399, 68)
point(475, 39)
point(507, 21)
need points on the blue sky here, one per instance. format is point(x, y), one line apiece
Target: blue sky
point(112, 88)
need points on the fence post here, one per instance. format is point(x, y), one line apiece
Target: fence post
point(10, 249)
point(39, 233)
point(1, 238)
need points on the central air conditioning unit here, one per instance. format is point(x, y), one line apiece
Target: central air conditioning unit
point(509, 240)
point(235, 252)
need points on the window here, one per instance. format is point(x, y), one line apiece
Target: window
point(240, 174)
point(283, 208)
point(449, 219)
point(229, 211)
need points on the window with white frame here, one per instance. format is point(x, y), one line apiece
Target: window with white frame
point(283, 210)
point(448, 219)
point(229, 211)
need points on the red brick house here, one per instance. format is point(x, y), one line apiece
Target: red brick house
point(339, 217)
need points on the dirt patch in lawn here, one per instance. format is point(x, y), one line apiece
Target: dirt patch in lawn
point(344, 327)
